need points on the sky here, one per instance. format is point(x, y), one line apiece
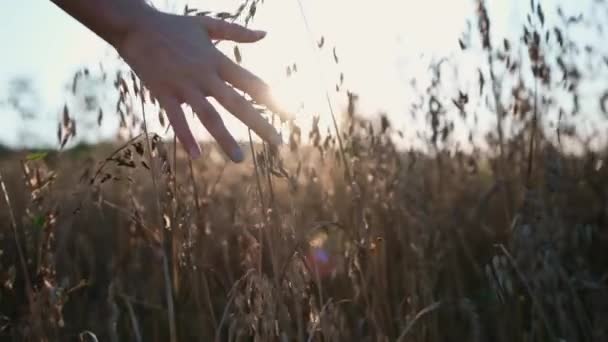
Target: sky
point(381, 45)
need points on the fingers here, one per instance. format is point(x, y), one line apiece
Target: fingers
point(242, 109)
point(180, 125)
point(245, 80)
point(219, 29)
point(214, 124)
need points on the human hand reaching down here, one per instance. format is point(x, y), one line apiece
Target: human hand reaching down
point(175, 58)
point(177, 61)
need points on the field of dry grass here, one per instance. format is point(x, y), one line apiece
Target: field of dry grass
point(346, 239)
point(412, 249)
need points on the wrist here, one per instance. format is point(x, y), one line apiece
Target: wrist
point(112, 20)
point(139, 19)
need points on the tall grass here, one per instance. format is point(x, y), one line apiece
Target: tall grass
point(503, 243)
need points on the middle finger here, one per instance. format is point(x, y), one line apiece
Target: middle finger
point(244, 111)
point(248, 82)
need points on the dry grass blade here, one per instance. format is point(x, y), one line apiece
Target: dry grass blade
point(537, 304)
point(418, 316)
point(21, 254)
point(230, 296)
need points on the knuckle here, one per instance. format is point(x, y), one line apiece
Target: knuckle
point(209, 23)
point(235, 28)
point(221, 28)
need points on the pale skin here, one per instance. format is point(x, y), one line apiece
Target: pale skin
point(175, 58)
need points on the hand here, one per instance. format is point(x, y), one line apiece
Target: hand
point(176, 60)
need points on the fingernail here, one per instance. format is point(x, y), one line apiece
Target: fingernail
point(260, 34)
point(195, 152)
point(277, 140)
point(237, 155)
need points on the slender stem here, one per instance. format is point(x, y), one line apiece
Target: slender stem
point(200, 245)
point(532, 135)
point(327, 98)
point(264, 211)
point(26, 275)
point(166, 236)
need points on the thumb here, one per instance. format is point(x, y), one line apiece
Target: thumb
point(222, 30)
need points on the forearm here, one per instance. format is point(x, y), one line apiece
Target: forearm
point(109, 19)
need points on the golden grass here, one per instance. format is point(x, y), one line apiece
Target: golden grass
point(344, 240)
point(416, 253)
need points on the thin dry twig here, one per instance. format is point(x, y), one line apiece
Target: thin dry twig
point(420, 314)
